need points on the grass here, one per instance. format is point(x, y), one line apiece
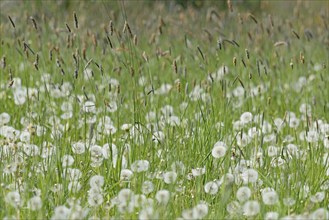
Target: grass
point(147, 99)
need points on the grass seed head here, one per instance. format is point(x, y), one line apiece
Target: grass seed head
point(75, 20)
point(68, 27)
point(12, 22)
point(253, 18)
point(34, 23)
point(229, 5)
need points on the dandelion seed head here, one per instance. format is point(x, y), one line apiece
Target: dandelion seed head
point(96, 181)
point(243, 194)
point(147, 187)
point(211, 188)
point(170, 177)
point(251, 208)
point(162, 196)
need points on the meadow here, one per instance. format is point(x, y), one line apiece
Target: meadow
point(164, 110)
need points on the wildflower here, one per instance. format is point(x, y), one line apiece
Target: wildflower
point(312, 136)
point(219, 150)
point(253, 132)
point(167, 110)
point(148, 213)
point(96, 181)
point(294, 122)
point(289, 201)
point(270, 138)
point(305, 109)
point(243, 140)
point(107, 152)
point(292, 150)
point(147, 187)
point(126, 207)
point(126, 174)
point(57, 188)
point(238, 92)
point(61, 212)
point(251, 208)
point(125, 195)
point(67, 160)
point(249, 176)
point(73, 174)
point(270, 197)
point(74, 186)
point(4, 118)
point(162, 196)
point(271, 216)
point(237, 125)
point(78, 148)
point(211, 188)
point(31, 150)
point(158, 136)
point(318, 197)
point(140, 166)
point(227, 179)
point(96, 152)
point(170, 177)
point(173, 120)
point(140, 200)
point(14, 199)
point(178, 167)
point(20, 95)
point(198, 171)
point(272, 151)
point(279, 123)
point(200, 211)
point(243, 193)
point(246, 117)
point(187, 214)
point(320, 213)
point(164, 89)
point(89, 107)
point(25, 136)
point(266, 127)
point(95, 199)
point(234, 208)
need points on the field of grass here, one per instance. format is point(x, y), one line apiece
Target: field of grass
point(164, 110)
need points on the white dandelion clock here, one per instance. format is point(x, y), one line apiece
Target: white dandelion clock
point(269, 196)
point(246, 117)
point(318, 197)
point(61, 212)
point(126, 174)
point(219, 150)
point(200, 211)
point(170, 177)
point(320, 213)
point(78, 148)
point(95, 199)
point(162, 196)
point(35, 203)
point(14, 199)
point(251, 208)
point(199, 171)
point(271, 216)
point(147, 187)
point(96, 181)
point(243, 193)
point(140, 166)
point(211, 188)
point(249, 176)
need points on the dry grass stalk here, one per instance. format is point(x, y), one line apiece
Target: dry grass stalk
point(75, 20)
point(11, 21)
point(34, 23)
